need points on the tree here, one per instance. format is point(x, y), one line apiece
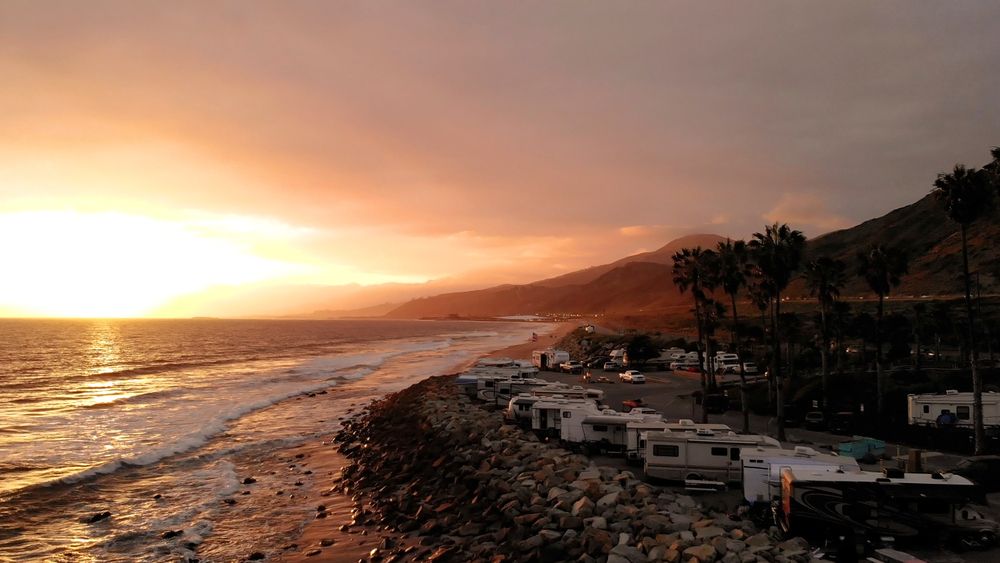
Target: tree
point(776, 254)
point(732, 263)
point(840, 314)
point(882, 267)
point(966, 194)
point(825, 277)
point(692, 272)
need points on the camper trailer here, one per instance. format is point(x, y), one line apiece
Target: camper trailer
point(549, 416)
point(951, 409)
point(472, 380)
point(704, 455)
point(906, 507)
point(635, 439)
point(605, 432)
point(549, 360)
point(762, 469)
point(519, 406)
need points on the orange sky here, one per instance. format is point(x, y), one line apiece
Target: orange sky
point(187, 158)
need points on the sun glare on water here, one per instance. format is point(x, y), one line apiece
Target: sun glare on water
point(74, 264)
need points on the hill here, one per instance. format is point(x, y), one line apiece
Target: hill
point(641, 283)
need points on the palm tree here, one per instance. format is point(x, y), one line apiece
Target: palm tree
point(882, 267)
point(776, 255)
point(732, 276)
point(841, 316)
point(966, 195)
point(825, 277)
point(692, 271)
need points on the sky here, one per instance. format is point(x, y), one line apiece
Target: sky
point(193, 157)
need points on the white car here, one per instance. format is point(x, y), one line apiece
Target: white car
point(632, 376)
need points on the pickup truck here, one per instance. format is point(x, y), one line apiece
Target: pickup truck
point(571, 366)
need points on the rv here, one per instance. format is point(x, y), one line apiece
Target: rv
point(550, 415)
point(900, 506)
point(500, 391)
point(762, 469)
point(519, 406)
point(635, 439)
point(605, 432)
point(951, 409)
point(704, 455)
point(549, 360)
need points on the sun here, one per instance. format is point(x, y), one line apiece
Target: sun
point(66, 263)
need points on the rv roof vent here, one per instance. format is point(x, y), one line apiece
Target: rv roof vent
point(705, 432)
point(937, 475)
point(685, 422)
point(951, 392)
point(893, 472)
point(883, 480)
point(805, 451)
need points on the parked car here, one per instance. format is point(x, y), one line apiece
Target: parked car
point(632, 376)
point(814, 420)
point(597, 362)
point(603, 379)
point(611, 366)
point(571, 366)
point(983, 470)
point(750, 368)
point(630, 404)
point(842, 422)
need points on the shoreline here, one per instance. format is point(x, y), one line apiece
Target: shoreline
point(338, 536)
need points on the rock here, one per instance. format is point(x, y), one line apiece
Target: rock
point(249, 481)
point(313, 552)
point(157, 496)
point(171, 534)
point(571, 522)
point(704, 552)
point(709, 532)
point(583, 508)
point(758, 540)
point(607, 500)
point(98, 517)
point(327, 542)
point(532, 543)
point(685, 501)
point(656, 522)
point(671, 556)
point(793, 545)
point(256, 556)
point(735, 546)
point(598, 522)
point(627, 553)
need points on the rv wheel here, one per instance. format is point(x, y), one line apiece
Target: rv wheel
point(693, 477)
point(987, 539)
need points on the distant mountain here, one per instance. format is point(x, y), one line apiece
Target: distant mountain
point(641, 283)
point(661, 255)
point(636, 283)
point(933, 243)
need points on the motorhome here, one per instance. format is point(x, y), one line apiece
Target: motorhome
point(549, 416)
point(721, 362)
point(905, 507)
point(519, 407)
point(762, 467)
point(951, 409)
point(549, 360)
point(635, 439)
point(704, 455)
point(476, 378)
point(500, 391)
point(687, 360)
point(662, 361)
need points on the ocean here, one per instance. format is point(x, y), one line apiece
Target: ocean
point(157, 421)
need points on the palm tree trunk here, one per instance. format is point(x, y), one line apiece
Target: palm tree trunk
point(878, 358)
point(776, 374)
point(701, 361)
point(977, 381)
point(916, 342)
point(744, 399)
point(825, 359)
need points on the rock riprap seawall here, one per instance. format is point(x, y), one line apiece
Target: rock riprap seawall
point(433, 466)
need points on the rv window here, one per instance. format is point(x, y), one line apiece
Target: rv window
point(734, 454)
point(567, 414)
point(927, 409)
point(489, 384)
point(962, 412)
point(600, 428)
point(720, 451)
point(666, 451)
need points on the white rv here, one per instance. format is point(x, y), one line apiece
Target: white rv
point(550, 415)
point(951, 409)
point(704, 455)
point(635, 439)
point(500, 391)
point(606, 432)
point(549, 360)
point(762, 469)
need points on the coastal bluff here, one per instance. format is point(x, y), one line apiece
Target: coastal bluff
point(453, 482)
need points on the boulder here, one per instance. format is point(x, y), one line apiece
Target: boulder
point(704, 553)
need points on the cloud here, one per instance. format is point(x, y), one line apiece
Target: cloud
point(807, 212)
